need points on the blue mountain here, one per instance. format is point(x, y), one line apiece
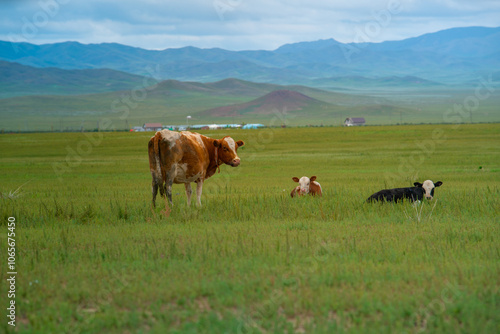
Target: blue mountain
point(449, 56)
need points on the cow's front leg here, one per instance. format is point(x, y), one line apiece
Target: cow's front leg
point(199, 188)
point(189, 191)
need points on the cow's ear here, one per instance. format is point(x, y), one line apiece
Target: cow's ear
point(216, 143)
point(240, 143)
point(438, 183)
point(296, 179)
point(312, 178)
point(418, 184)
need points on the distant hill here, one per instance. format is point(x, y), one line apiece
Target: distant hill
point(168, 94)
point(230, 87)
point(448, 56)
point(278, 100)
point(356, 81)
point(17, 79)
point(171, 101)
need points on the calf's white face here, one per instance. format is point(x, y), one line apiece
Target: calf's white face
point(428, 187)
point(304, 183)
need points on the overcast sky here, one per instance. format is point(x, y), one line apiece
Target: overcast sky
point(235, 24)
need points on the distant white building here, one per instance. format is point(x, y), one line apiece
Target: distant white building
point(233, 126)
point(252, 126)
point(354, 121)
point(214, 126)
point(199, 126)
point(158, 127)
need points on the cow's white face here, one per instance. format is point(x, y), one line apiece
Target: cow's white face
point(227, 150)
point(428, 187)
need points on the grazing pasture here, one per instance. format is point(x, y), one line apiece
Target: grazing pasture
point(92, 256)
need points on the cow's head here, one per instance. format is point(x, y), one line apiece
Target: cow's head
point(428, 187)
point(226, 150)
point(304, 183)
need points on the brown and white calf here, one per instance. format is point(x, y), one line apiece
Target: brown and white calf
point(307, 186)
point(185, 157)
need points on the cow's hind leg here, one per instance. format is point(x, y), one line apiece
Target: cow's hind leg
point(169, 180)
point(161, 187)
point(169, 190)
point(189, 191)
point(154, 189)
point(199, 188)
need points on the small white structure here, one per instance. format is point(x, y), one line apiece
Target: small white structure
point(232, 126)
point(354, 121)
point(199, 126)
point(252, 126)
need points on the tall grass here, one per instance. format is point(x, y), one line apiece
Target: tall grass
point(94, 257)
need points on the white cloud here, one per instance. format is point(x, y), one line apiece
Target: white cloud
point(237, 24)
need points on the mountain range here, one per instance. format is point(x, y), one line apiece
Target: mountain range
point(450, 56)
point(71, 86)
point(18, 80)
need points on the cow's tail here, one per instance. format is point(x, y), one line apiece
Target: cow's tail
point(156, 149)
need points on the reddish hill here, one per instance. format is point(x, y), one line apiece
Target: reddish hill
point(277, 100)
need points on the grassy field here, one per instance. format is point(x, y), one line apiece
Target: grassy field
point(92, 257)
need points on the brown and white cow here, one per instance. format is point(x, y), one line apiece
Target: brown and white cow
point(185, 157)
point(307, 186)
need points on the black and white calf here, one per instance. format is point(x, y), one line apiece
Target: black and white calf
point(416, 193)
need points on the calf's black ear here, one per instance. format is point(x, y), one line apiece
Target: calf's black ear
point(418, 184)
point(438, 183)
point(240, 143)
point(216, 143)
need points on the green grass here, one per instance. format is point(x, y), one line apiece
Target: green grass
point(93, 257)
